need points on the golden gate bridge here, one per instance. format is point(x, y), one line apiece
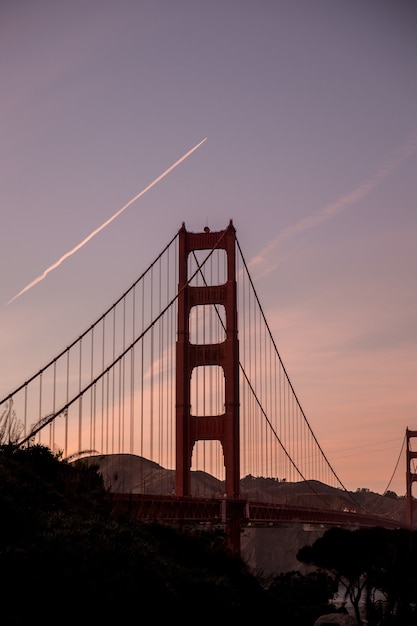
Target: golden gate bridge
point(183, 372)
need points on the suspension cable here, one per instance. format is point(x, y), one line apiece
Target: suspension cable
point(396, 465)
point(293, 391)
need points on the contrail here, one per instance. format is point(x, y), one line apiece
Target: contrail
point(398, 156)
point(95, 232)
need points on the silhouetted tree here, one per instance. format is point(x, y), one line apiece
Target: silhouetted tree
point(368, 560)
point(336, 552)
point(299, 599)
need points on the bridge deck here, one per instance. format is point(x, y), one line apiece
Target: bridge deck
point(220, 510)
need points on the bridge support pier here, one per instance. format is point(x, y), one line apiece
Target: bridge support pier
point(234, 514)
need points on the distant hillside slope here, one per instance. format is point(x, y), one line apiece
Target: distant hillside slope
point(126, 473)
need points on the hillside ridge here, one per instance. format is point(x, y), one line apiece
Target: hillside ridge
point(128, 473)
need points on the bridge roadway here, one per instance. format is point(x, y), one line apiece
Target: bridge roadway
point(215, 511)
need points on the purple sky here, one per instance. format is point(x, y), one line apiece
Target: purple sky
point(309, 109)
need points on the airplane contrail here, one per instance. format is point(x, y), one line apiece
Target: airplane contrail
point(409, 148)
point(106, 223)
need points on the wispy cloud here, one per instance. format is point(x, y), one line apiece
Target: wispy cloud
point(405, 151)
point(106, 223)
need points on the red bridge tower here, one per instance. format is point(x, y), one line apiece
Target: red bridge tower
point(411, 477)
point(225, 427)
point(190, 428)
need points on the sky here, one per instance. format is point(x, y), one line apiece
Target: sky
point(308, 112)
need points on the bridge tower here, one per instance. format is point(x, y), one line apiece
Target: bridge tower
point(225, 427)
point(410, 478)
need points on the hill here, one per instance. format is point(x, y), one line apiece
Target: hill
point(126, 473)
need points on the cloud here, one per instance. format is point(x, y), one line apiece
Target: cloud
point(405, 151)
point(106, 223)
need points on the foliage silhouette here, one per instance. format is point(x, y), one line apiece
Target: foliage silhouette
point(61, 549)
point(66, 558)
point(300, 599)
point(377, 568)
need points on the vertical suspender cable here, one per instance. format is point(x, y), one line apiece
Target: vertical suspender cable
point(132, 377)
point(102, 389)
point(92, 412)
point(67, 398)
point(80, 401)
